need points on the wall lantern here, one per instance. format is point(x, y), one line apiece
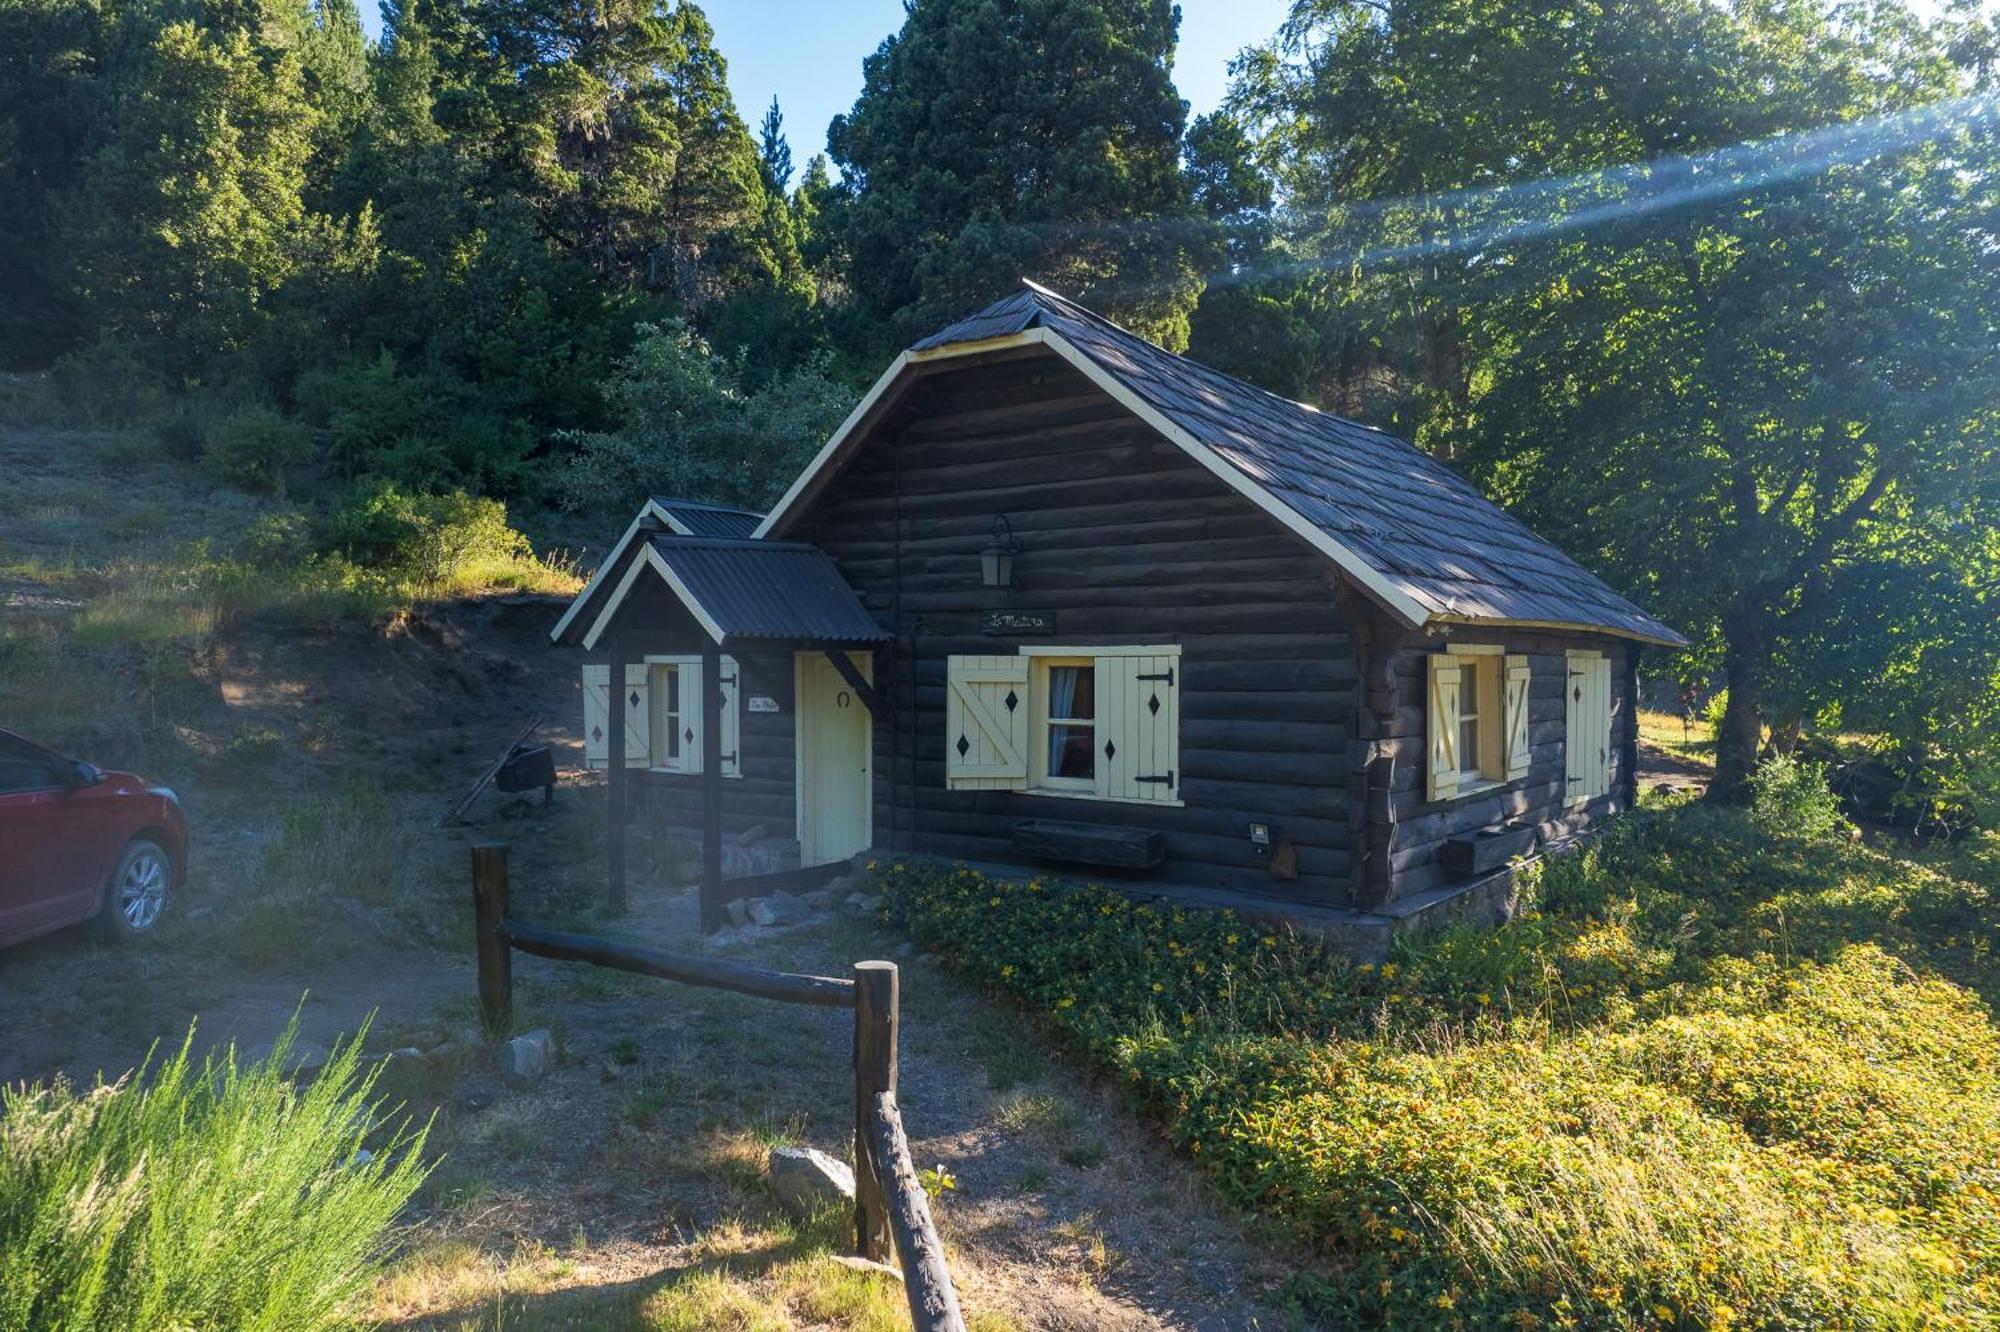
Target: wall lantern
point(996, 562)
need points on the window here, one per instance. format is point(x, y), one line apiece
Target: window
point(1101, 723)
point(673, 734)
point(1067, 719)
point(1477, 715)
point(662, 712)
point(23, 767)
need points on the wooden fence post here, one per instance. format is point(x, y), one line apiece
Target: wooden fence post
point(496, 961)
point(876, 1023)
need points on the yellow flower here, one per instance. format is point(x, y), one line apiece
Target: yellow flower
point(1485, 998)
point(1157, 987)
point(1365, 967)
point(1067, 1001)
point(1389, 971)
point(1230, 940)
point(993, 901)
point(1006, 971)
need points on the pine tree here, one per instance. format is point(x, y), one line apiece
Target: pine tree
point(775, 153)
point(995, 139)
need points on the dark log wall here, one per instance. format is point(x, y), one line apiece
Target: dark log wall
point(1127, 540)
point(1421, 826)
point(654, 622)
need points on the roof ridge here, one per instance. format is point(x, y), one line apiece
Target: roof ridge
point(1087, 313)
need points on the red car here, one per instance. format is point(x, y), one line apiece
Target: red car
point(78, 843)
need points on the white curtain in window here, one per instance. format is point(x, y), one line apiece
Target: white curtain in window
point(1062, 698)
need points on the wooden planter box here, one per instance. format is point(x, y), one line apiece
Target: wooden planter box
point(1090, 843)
point(1486, 850)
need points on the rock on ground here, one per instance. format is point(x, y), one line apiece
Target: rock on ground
point(806, 1181)
point(526, 1058)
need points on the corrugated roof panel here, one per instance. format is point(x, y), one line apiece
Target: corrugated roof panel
point(769, 589)
point(1420, 525)
point(716, 520)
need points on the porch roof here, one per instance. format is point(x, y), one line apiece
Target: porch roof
point(745, 589)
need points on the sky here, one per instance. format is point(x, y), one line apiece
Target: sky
point(808, 54)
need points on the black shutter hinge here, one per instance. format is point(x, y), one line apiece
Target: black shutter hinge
point(1157, 779)
point(1168, 677)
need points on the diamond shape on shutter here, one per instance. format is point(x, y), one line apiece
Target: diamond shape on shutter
point(634, 699)
point(1153, 705)
point(1012, 700)
point(597, 732)
point(1110, 750)
point(688, 735)
point(963, 746)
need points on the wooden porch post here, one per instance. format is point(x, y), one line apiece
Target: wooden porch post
point(711, 785)
point(614, 775)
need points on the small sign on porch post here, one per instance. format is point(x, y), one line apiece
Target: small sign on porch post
point(1018, 622)
point(763, 703)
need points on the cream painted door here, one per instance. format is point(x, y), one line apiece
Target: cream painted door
point(834, 736)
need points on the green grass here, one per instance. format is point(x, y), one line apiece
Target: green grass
point(1713, 1077)
point(193, 1195)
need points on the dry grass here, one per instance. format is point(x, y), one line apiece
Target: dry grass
point(1688, 738)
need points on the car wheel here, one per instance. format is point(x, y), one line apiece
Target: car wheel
point(137, 893)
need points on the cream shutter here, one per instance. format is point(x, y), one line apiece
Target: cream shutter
point(1441, 723)
point(1138, 728)
point(1587, 727)
point(694, 716)
point(986, 723)
point(732, 719)
point(638, 716)
point(1514, 716)
point(596, 691)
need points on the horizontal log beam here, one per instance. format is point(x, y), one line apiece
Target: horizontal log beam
point(785, 987)
point(926, 1277)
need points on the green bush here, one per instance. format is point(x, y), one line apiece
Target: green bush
point(431, 539)
point(256, 448)
point(211, 1195)
point(1708, 1078)
point(1789, 797)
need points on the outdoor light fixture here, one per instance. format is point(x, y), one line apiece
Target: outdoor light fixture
point(996, 562)
point(1263, 836)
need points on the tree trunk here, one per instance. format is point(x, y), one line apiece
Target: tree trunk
point(1746, 653)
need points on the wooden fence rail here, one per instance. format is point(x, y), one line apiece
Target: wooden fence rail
point(891, 1213)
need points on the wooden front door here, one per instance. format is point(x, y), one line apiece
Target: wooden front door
point(835, 740)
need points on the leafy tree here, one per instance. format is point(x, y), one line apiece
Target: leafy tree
point(688, 427)
point(1731, 378)
point(181, 221)
point(1000, 138)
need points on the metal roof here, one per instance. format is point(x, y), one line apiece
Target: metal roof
point(1419, 525)
point(743, 589)
point(697, 518)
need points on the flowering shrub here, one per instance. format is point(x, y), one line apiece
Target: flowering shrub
point(1708, 1082)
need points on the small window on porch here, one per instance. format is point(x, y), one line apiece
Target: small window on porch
point(671, 729)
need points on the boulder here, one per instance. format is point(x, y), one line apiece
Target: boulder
point(807, 1182)
point(739, 912)
point(779, 908)
point(864, 904)
point(527, 1058)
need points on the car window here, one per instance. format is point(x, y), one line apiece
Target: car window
point(26, 768)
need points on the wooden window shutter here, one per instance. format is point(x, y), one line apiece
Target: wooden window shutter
point(1441, 724)
point(694, 716)
point(1138, 728)
point(1514, 716)
point(1587, 727)
point(596, 700)
point(732, 719)
point(986, 723)
point(638, 716)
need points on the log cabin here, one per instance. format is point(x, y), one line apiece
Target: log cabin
point(1052, 594)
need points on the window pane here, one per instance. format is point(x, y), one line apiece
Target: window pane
point(1072, 751)
point(1468, 745)
point(1073, 692)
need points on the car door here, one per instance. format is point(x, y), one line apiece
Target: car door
point(48, 853)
